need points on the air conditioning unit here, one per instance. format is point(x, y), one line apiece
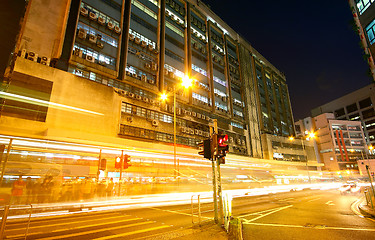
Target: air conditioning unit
point(154, 66)
point(203, 50)
point(144, 78)
point(138, 97)
point(200, 132)
point(191, 131)
point(101, 21)
point(231, 139)
point(178, 111)
point(22, 53)
point(208, 118)
point(117, 30)
point(238, 141)
point(151, 81)
point(84, 11)
point(134, 75)
point(188, 113)
point(77, 52)
point(156, 51)
point(150, 47)
point(145, 99)
point(100, 45)
point(147, 65)
point(45, 61)
point(92, 38)
point(131, 95)
point(199, 115)
point(82, 33)
point(137, 40)
point(110, 26)
point(129, 118)
point(243, 142)
point(131, 37)
point(224, 99)
point(155, 123)
point(193, 114)
point(128, 73)
point(93, 16)
point(183, 129)
point(32, 56)
point(195, 46)
point(169, 89)
point(203, 117)
point(171, 74)
point(170, 137)
point(143, 44)
point(152, 101)
point(196, 131)
point(90, 58)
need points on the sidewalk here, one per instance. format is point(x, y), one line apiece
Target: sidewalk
point(366, 210)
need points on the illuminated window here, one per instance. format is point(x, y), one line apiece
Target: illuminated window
point(362, 5)
point(105, 38)
point(370, 30)
point(199, 70)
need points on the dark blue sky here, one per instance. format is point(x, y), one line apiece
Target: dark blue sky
point(312, 42)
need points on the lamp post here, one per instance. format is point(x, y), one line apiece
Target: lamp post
point(186, 83)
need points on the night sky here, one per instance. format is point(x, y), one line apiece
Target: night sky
point(312, 42)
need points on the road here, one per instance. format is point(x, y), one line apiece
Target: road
point(307, 214)
point(304, 215)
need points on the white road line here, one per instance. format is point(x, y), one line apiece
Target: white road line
point(65, 223)
point(131, 233)
point(73, 228)
point(330, 203)
point(175, 212)
point(96, 231)
point(315, 199)
point(276, 210)
point(318, 227)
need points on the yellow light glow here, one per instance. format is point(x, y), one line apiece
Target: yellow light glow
point(291, 138)
point(163, 96)
point(311, 135)
point(371, 147)
point(187, 82)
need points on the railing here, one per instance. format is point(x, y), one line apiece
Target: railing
point(4, 218)
point(370, 197)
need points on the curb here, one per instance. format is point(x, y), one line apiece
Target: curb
point(365, 210)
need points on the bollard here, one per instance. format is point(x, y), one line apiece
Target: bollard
point(4, 221)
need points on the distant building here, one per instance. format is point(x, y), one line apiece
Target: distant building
point(355, 106)
point(339, 143)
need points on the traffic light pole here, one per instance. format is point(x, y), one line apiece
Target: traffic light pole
point(99, 162)
point(219, 192)
point(121, 165)
point(213, 130)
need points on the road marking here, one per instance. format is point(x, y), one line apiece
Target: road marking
point(286, 199)
point(330, 203)
point(176, 212)
point(59, 224)
point(276, 210)
point(73, 228)
point(96, 231)
point(131, 233)
point(318, 227)
point(312, 200)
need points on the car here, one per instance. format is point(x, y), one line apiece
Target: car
point(349, 188)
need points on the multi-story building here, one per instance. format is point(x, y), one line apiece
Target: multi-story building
point(355, 106)
point(340, 143)
point(92, 71)
point(364, 18)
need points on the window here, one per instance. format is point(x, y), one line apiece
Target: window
point(339, 112)
point(365, 103)
point(351, 108)
point(354, 117)
point(362, 5)
point(368, 113)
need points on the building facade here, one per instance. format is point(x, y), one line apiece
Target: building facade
point(92, 71)
point(355, 106)
point(339, 143)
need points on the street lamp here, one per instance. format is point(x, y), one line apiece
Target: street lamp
point(309, 135)
point(186, 83)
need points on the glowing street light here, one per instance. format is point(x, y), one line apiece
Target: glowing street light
point(186, 83)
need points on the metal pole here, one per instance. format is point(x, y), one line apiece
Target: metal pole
point(174, 131)
point(369, 176)
point(219, 192)
point(199, 209)
point(4, 221)
point(5, 161)
point(307, 168)
point(214, 188)
point(99, 163)
point(121, 164)
point(28, 222)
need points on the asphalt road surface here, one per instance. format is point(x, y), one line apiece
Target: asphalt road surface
point(317, 215)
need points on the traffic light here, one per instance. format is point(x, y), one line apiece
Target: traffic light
point(126, 161)
point(205, 146)
point(103, 164)
point(222, 146)
point(118, 163)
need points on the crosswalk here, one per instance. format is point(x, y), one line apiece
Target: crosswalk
point(88, 226)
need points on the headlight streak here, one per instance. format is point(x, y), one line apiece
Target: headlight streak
point(39, 102)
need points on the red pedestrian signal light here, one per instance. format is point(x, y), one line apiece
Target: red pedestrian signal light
point(126, 161)
point(222, 146)
point(205, 146)
point(118, 163)
point(103, 164)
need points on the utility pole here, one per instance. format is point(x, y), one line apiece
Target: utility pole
point(213, 131)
